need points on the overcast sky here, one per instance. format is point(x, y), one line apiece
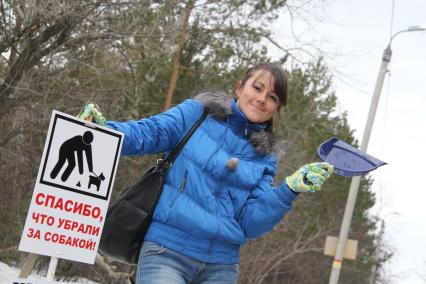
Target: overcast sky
point(353, 35)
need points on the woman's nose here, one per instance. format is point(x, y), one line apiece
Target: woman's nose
point(261, 97)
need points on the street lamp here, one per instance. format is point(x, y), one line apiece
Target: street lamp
point(353, 190)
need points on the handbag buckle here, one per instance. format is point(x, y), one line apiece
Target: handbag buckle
point(165, 168)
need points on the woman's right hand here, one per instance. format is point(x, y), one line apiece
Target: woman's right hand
point(92, 113)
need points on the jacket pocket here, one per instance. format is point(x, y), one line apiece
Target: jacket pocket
point(225, 203)
point(176, 194)
point(183, 183)
point(181, 189)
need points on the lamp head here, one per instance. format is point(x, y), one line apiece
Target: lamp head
point(417, 28)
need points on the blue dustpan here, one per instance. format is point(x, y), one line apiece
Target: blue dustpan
point(347, 160)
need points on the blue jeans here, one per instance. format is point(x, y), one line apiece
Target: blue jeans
point(159, 265)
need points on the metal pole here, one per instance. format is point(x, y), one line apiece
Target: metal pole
point(373, 276)
point(353, 190)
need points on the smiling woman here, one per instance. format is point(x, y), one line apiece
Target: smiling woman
point(220, 190)
point(262, 92)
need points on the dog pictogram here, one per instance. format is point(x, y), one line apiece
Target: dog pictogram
point(96, 180)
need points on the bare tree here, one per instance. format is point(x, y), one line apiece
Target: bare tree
point(35, 29)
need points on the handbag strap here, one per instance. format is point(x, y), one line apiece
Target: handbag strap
point(165, 164)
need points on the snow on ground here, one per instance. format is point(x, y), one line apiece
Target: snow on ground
point(9, 275)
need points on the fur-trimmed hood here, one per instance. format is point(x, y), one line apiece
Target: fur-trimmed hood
point(221, 107)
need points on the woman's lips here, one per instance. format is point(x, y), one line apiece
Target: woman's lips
point(257, 108)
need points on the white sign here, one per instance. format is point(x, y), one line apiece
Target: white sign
point(72, 191)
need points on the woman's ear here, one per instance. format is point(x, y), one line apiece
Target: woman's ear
point(238, 88)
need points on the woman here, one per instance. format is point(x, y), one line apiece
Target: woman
point(220, 190)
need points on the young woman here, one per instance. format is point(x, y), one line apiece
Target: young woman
point(220, 190)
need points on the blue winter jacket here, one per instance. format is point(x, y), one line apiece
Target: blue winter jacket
point(208, 209)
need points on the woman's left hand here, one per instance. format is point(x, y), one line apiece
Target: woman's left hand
point(310, 177)
point(92, 113)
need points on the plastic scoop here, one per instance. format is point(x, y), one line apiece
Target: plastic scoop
point(347, 160)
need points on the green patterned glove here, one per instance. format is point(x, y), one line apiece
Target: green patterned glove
point(310, 177)
point(91, 112)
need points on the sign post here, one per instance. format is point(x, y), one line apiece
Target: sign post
point(72, 191)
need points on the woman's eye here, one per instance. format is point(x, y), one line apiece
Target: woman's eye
point(273, 98)
point(257, 88)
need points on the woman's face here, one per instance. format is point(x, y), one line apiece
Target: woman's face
point(256, 99)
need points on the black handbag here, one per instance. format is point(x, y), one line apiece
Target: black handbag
point(128, 218)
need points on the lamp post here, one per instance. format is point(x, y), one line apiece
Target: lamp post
point(355, 182)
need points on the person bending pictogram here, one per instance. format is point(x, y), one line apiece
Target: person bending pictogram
point(77, 144)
